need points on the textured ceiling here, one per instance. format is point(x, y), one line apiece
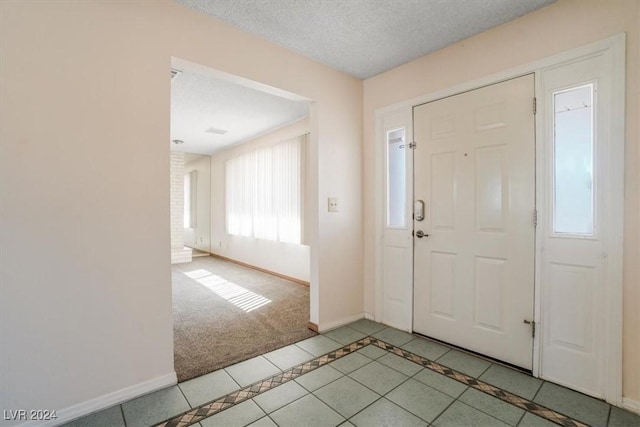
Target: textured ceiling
point(365, 37)
point(200, 102)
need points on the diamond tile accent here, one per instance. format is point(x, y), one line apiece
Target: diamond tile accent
point(252, 390)
point(211, 408)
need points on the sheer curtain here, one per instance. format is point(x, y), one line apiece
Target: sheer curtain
point(264, 192)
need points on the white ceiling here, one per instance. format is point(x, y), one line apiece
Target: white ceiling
point(200, 102)
point(365, 37)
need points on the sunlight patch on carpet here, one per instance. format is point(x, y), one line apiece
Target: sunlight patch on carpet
point(241, 297)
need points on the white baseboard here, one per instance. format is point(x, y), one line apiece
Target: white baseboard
point(106, 401)
point(631, 405)
point(370, 316)
point(336, 324)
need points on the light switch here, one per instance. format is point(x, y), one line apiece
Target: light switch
point(334, 205)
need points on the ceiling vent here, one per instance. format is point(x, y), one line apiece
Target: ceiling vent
point(174, 73)
point(216, 131)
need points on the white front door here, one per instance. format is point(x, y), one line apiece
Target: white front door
point(475, 172)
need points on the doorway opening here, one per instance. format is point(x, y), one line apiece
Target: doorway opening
point(240, 254)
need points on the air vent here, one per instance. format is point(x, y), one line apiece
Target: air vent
point(216, 131)
point(174, 73)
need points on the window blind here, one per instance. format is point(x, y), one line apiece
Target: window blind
point(264, 192)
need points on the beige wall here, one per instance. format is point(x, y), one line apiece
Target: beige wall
point(86, 294)
point(556, 28)
point(284, 258)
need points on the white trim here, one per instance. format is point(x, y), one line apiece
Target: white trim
point(183, 64)
point(337, 323)
point(614, 263)
point(540, 197)
point(631, 405)
point(379, 212)
point(615, 46)
point(88, 407)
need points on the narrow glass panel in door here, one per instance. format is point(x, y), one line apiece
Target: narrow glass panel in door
point(573, 161)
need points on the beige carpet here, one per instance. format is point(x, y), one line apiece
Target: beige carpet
point(225, 313)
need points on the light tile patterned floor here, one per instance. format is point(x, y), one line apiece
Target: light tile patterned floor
point(364, 374)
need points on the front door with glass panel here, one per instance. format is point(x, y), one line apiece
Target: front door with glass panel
point(395, 304)
point(575, 226)
point(474, 170)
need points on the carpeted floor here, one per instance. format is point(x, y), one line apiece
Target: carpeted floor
point(225, 313)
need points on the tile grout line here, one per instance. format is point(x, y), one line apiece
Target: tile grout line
point(538, 390)
point(250, 391)
point(230, 376)
point(609, 414)
point(521, 418)
point(268, 414)
point(485, 371)
point(272, 420)
point(445, 409)
point(184, 395)
point(485, 412)
point(124, 420)
point(311, 391)
point(361, 410)
point(347, 374)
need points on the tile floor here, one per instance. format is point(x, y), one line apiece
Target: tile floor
point(343, 378)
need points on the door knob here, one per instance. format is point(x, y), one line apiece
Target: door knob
point(420, 234)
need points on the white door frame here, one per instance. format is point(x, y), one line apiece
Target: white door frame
point(614, 48)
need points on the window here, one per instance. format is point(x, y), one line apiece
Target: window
point(264, 192)
point(396, 179)
point(573, 174)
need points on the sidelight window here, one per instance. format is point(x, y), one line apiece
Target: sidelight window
point(396, 178)
point(573, 161)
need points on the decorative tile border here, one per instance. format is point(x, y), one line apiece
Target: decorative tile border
point(489, 389)
point(208, 409)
